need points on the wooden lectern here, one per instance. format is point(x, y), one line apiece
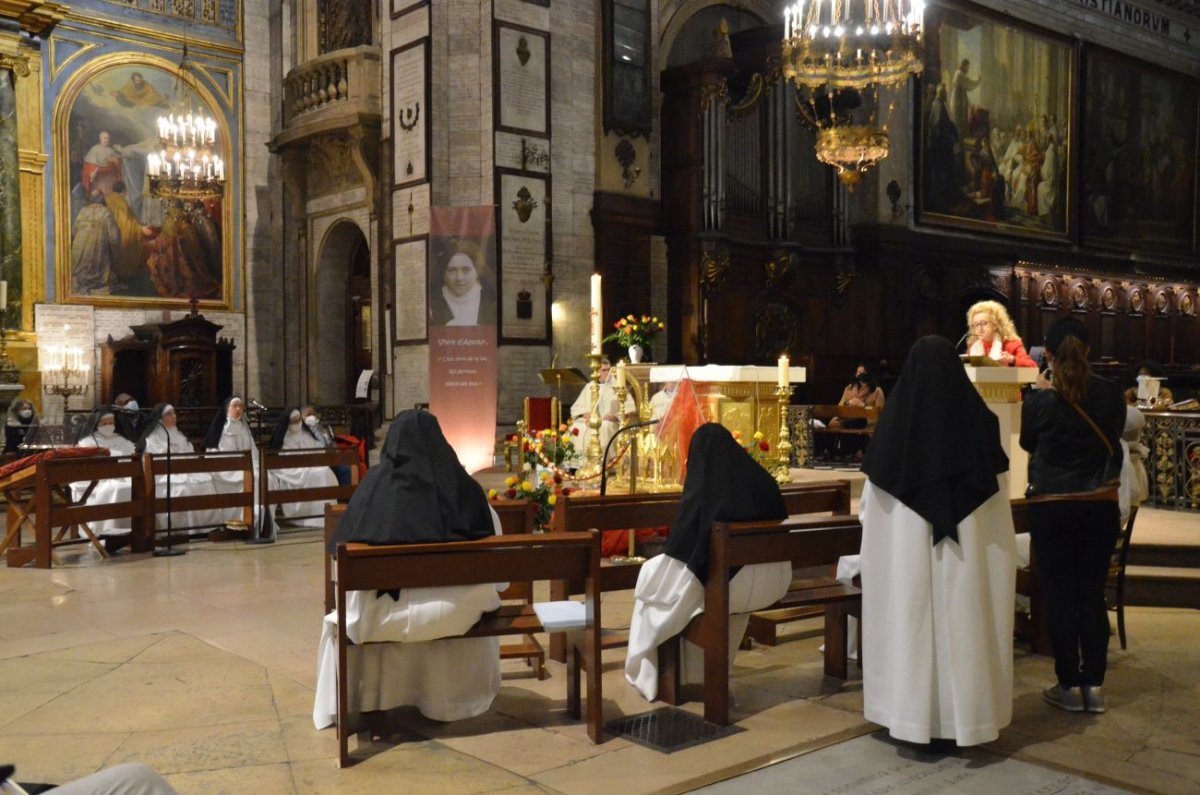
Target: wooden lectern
point(1000, 388)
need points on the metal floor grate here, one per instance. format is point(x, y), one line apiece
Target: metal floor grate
point(668, 729)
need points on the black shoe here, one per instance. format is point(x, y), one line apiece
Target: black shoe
point(114, 544)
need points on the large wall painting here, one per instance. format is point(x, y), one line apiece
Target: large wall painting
point(996, 119)
point(120, 244)
point(1139, 155)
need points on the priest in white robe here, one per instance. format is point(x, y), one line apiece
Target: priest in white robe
point(938, 559)
point(100, 431)
point(161, 435)
point(417, 493)
point(723, 484)
point(229, 432)
point(610, 413)
point(293, 434)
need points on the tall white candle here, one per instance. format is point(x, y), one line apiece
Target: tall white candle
point(620, 375)
point(3, 295)
point(784, 373)
point(597, 314)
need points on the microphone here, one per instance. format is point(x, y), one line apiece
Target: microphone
point(256, 405)
point(608, 447)
point(966, 334)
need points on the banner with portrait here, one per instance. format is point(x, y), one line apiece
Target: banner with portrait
point(462, 330)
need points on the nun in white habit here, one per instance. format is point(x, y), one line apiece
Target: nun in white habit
point(229, 432)
point(938, 559)
point(417, 493)
point(294, 434)
point(723, 484)
point(100, 431)
point(161, 434)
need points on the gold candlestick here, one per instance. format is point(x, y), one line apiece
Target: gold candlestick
point(783, 473)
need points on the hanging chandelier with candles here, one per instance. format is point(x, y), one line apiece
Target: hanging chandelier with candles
point(840, 53)
point(187, 167)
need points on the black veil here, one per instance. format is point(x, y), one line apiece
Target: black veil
point(937, 445)
point(212, 439)
point(152, 424)
point(723, 484)
point(281, 428)
point(417, 493)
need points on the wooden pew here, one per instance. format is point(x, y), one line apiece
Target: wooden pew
point(517, 558)
point(269, 460)
point(191, 463)
point(806, 541)
point(624, 511)
point(1031, 628)
point(55, 509)
point(828, 413)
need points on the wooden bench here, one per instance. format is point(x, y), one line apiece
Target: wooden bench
point(827, 414)
point(1031, 628)
point(57, 517)
point(625, 511)
point(270, 460)
point(193, 463)
point(517, 558)
point(805, 541)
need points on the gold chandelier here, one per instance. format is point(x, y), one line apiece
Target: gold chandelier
point(187, 167)
point(838, 48)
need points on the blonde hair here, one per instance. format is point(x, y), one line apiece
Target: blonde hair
point(999, 317)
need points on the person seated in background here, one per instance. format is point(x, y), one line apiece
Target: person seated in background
point(723, 484)
point(229, 432)
point(1150, 369)
point(324, 434)
point(21, 422)
point(161, 436)
point(862, 392)
point(992, 334)
point(293, 434)
point(129, 421)
point(660, 401)
point(610, 413)
point(418, 493)
point(99, 430)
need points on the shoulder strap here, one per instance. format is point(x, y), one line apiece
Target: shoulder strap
point(1104, 439)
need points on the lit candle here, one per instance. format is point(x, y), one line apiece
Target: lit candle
point(620, 375)
point(3, 295)
point(784, 372)
point(597, 314)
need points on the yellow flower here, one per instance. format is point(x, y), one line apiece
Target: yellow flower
point(758, 436)
point(546, 476)
point(526, 486)
point(492, 494)
point(553, 498)
point(511, 480)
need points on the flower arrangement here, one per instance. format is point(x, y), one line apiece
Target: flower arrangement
point(548, 448)
point(759, 449)
point(635, 330)
point(543, 490)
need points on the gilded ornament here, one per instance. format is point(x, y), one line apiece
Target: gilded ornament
point(1136, 299)
point(523, 51)
point(1108, 299)
point(1049, 293)
point(525, 204)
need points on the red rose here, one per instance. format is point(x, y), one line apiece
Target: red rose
point(557, 477)
point(511, 494)
point(574, 431)
point(565, 492)
point(764, 446)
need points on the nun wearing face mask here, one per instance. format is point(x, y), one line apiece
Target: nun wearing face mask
point(229, 432)
point(161, 434)
point(417, 493)
point(293, 434)
point(100, 431)
point(19, 425)
point(723, 484)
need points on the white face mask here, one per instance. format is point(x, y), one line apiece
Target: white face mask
point(106, 431)
point(25, 414)
point(311, 420)
point(132, 405)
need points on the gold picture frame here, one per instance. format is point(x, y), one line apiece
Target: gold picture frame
point(103, 124)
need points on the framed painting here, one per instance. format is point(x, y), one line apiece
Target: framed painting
point(995, 125)
point(1139, 155)
point(116, 243)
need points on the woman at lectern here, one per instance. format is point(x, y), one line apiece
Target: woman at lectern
point(992, 334)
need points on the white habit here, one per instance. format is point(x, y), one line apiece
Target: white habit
point(312, 513)
point(110, 490)
point(938, 621)
point(189, 485)
point(669, 595)
point(581, 409)
point(235, 437)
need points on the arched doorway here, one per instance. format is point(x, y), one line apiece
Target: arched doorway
point(340, 331)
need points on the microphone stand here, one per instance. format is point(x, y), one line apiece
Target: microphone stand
point(170, 550)
point(608, 447)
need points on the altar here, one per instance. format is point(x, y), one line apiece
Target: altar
point(1000, 388)
point(742, 398)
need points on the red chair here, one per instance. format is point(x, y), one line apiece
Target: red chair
point(542, 413)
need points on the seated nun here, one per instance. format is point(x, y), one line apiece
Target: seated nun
point(938, 559)
point(417, 493)
point(160, 436)
point(229, 432)
point(723, 484)
point(293, 434)
point(100, 431)
point(129, 421)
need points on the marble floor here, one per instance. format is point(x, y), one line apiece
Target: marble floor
point(203, 667)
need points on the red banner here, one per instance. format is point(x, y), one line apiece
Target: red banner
point(462, 330)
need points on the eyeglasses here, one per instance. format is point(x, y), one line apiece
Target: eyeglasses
point(981, 324)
